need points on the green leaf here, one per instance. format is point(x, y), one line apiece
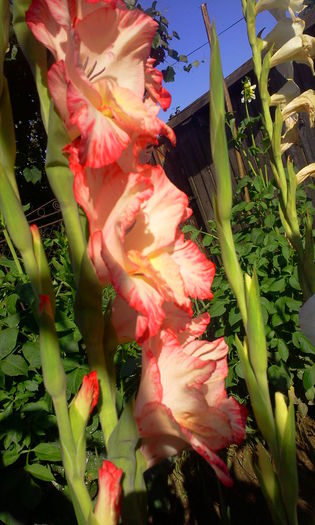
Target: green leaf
point(14, 365)
point(8, 338)
point(168, 74)
point(279, 378)
point(207, 240)
point(270, 307)
point(278, 285)
point(74, 379)
point(70, 364)
point(11, 303)
point(293, 305)
point(31, 353)
point(32, 174)
point(9, 457)
point(309, 377)
point(173, 54)
point(217, 308)
point(283, 350)
point(310, 394)
point(294, 283)
point(234, 316)
point(300, 341)
point(269, 221)
point(40, 472)
point(37, 406)
point(48, 452)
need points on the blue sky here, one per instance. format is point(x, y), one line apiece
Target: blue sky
point(185, 17)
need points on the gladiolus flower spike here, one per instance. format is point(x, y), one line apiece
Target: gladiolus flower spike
point(107, 91)
point(99, 78)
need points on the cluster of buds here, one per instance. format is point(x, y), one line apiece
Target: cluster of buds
point(108, 93)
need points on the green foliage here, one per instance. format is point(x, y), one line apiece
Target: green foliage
point(32, 174)
point(30, 452)
point(29, 445)
point(261, 245)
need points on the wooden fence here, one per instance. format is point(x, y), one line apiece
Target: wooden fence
point(189, 165)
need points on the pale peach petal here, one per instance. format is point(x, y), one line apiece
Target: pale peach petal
point(102, 141)
point(140, 294)
point(156, 226)
point(194, 328)
point(95, 255)
point(48, 20)
point(161, 433)
point(130, 111)
point(182, 398)
point(57, 85)
point(128, 36)
point(169, 273)
point(196, 270)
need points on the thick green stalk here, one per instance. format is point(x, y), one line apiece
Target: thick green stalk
point(124, 452)
point(88, 305)
point(223, 197)
point(60, 179)
point(100, 342)
point(7, 137)
point(231, 263)
point(55, 384)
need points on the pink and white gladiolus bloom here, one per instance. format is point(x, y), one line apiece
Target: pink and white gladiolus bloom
point(99, 77)
point(107, 508)
point(135, 241)
point(182, 400)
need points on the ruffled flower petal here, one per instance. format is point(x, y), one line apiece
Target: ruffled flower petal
point(182, 399)
point(196, 270)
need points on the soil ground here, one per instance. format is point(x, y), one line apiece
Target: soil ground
point(186, 492)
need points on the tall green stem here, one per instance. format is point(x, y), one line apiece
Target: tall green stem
point(13, 251)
